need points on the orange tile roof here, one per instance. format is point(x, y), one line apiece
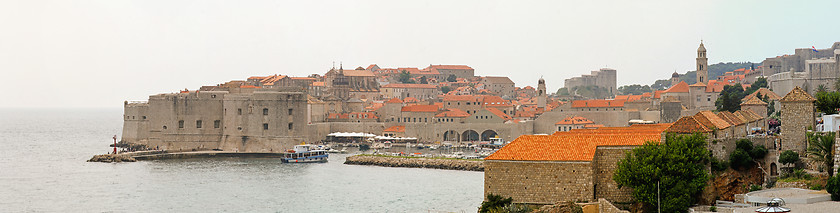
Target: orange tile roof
point(567, 147)
point(710, 120)
point(798, 95)
point(417, 86)
point(688, 124)
point(597, 103)
point(303, 78)
point(658, 93)
point(370, 66)
point(358, 73)
point(680, 87)
point(420, 108)
point(764, 92)
point(411, 100)
point(453, 113)
point(248, 86)
point(754, 101)
point(730, 118)
point(574, 120)
point(450, 67)
point(715, 86)
point(698, 84)
point(499, 113)
point(394, 101)
point(462, 97)
point(395, 129)
point(593, 126)
point(319, 84)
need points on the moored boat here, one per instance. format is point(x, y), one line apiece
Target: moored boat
point(304, 154)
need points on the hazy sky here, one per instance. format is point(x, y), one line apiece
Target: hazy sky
point(100, 53)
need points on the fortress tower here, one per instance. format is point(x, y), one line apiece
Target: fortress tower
point(702, 65)
point(541, 93)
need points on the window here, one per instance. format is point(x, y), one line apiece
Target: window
point(217, 123)
point(239, 111)
point(265, 111)
point(265, 126)
point(291, 126)
point(144, 117)
point(290, 111)
point(181, 124)
point(198, 124)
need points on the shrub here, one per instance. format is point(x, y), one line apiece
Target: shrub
point(740, 159)
point(833, 187)
point(817, 187)
point(718, 165)
point(754, 187)
point(758, 152)
point(494, 202)
point(713, 209)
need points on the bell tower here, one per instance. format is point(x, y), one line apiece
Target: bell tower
point(541, 93)
point(702, 65)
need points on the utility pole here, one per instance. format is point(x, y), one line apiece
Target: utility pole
point(658, 198)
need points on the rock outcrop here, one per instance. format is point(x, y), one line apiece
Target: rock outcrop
point(434, 163)
point(111, 158)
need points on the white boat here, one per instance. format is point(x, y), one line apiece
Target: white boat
point(305, 153)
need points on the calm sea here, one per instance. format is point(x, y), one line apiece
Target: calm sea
point(43, 169)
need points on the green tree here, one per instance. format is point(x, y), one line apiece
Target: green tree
point(405, 77)
point(828, 102)
point(493, 202)
point(634, 89)
point(730, 98)
point(445, 89)
point(452, 78)
point(822, 88)
point(678, 166)
point(423, 80)
point(788, 157)
point(563, 91)
point(819, 149)
point(833, 187)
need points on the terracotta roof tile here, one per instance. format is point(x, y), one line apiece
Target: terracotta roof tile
point(394, 101)
point(710, 120)
point(680, 87)
point(574, 120)
point(688, 124)
point(499, 113)
point(754, 101)
point(420, 86)
point(764, 92)
point(597, 103)
point(730, 118)
point(568, 146)
point(453, 113)
point(395, 129)
point(798, 95)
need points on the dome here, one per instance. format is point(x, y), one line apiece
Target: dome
point(541, 81)
point(675, 75)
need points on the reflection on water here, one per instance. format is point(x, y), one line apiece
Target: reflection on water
point(43, 169)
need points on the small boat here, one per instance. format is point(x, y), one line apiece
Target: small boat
point(304, 154)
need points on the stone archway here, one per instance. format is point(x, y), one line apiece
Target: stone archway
point(774, 170)
point(451, 135)
point(487, 134)
point(469, 135)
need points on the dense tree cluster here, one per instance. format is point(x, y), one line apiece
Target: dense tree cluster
point(634, 89)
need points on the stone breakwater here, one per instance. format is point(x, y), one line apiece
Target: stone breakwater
point(434, 163)
point(112, 158)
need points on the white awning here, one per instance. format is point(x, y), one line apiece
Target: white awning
point(351, 134)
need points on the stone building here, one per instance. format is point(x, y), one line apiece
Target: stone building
point(402, 91)
point(756, 105)
point(575, 122)
point(501, 86)
point(566, 166)
point(797, 116)
point(460, 71)
point(806, 68)
point(603, 78)
point(702, 65)
point(246, 119)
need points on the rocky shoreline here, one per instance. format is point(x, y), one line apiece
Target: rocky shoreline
point(112, 158)
point(434, 163)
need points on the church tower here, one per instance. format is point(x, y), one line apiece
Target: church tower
point(702, 65)
point(541, 94)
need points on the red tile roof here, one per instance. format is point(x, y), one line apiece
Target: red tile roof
point(574, 120)
point(798, 95)
point(411, 100)
point(394, 101)
point(568, 146)
point(319, 84)
point(395, 129)
point(680, 87)
point(499, 113)
point(686, 125)
point(711, 121)
point(453, 113)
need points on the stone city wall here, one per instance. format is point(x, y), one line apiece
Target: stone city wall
point(539, 182)
point(606, 162)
